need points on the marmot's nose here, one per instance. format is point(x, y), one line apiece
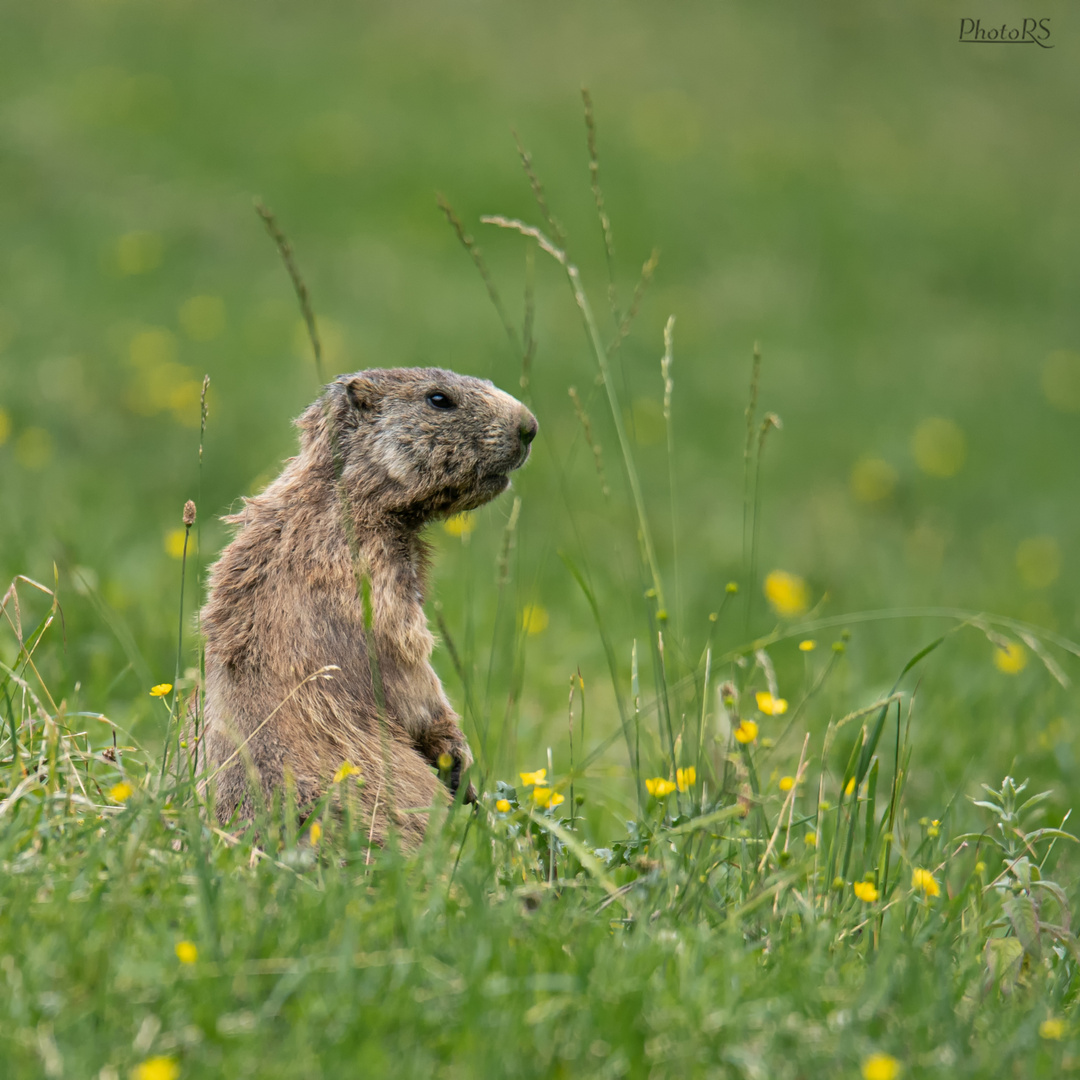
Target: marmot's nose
point(528, 427)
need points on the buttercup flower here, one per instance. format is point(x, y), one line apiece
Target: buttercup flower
point(865, 891)
point(924, 881)
point(161, 689)
point(186, 952)
point(685, 778)
point(121, 792)
point(503, 806)
point(810, 839)
point(534, 619)
point(787, 593)
point(533, 778)
point(545, 797)
point(1010, 658)
point(659, 787)
point(460, 524)
point(314, 834)
point(807, 646)
point(787, 783)
point(1052, 1028)
point(345, 770)
point(769, 705)
point(174, 543)
point(746, 732)
point(880, 1067)
point(157, 1068)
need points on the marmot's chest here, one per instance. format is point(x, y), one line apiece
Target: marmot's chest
point(398, 622)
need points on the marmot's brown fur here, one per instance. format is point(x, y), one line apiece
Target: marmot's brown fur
point(382, 452)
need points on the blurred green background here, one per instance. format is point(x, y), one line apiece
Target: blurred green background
point(892, 215)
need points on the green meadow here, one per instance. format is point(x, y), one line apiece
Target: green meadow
point(756, 656)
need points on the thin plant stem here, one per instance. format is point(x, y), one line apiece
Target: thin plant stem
point(771, 420)
point(299, 285)
point(470, 245)
point(601, 356)
point(748, 453)
point(598, 198)
point(669, 386)
point(189, 519)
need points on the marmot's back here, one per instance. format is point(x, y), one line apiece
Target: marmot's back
point(382, 452)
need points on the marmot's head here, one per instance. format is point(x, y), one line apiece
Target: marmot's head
point(423, 441)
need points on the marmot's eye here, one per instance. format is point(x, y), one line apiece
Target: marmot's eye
point(441, 401)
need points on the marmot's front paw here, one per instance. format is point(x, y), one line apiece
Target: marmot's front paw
point(445, 746)
point(461, 763)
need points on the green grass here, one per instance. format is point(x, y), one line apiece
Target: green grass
point(883, 211)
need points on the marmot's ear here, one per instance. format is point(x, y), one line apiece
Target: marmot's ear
point(361, 392)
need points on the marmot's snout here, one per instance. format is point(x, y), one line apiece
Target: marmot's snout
point(527, 429)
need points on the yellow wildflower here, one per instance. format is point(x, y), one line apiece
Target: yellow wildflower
point(686, 778)
point(924, 880)
point(659, 787)
point(769, 705)
point(121, 792)
point(545, 797)
point(534, 619)
point(161, 689)
point(503, 806)
point(345, 770)
point(1052, 1028)
point(156, 1068)
point(174, 543)
point(849, 789)
point(314, 834)
point(460, 524)
point(1010, 658)
point(787, 593)
point(865, 891)
point(810, 839)
point(939, 447)
point(138, 252)
point(186, 952)
point(809, 645)
point(880, 1067)
point(873, 479)
point(746, 732)
point(533, 778)
point(787, 783)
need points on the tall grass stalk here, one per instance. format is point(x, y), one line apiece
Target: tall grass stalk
point(174, 721)
point(601, 357)
point(669, 388)
point(748, 493)
point(299, 285)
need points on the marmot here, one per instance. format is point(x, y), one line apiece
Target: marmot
point(381, 453)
